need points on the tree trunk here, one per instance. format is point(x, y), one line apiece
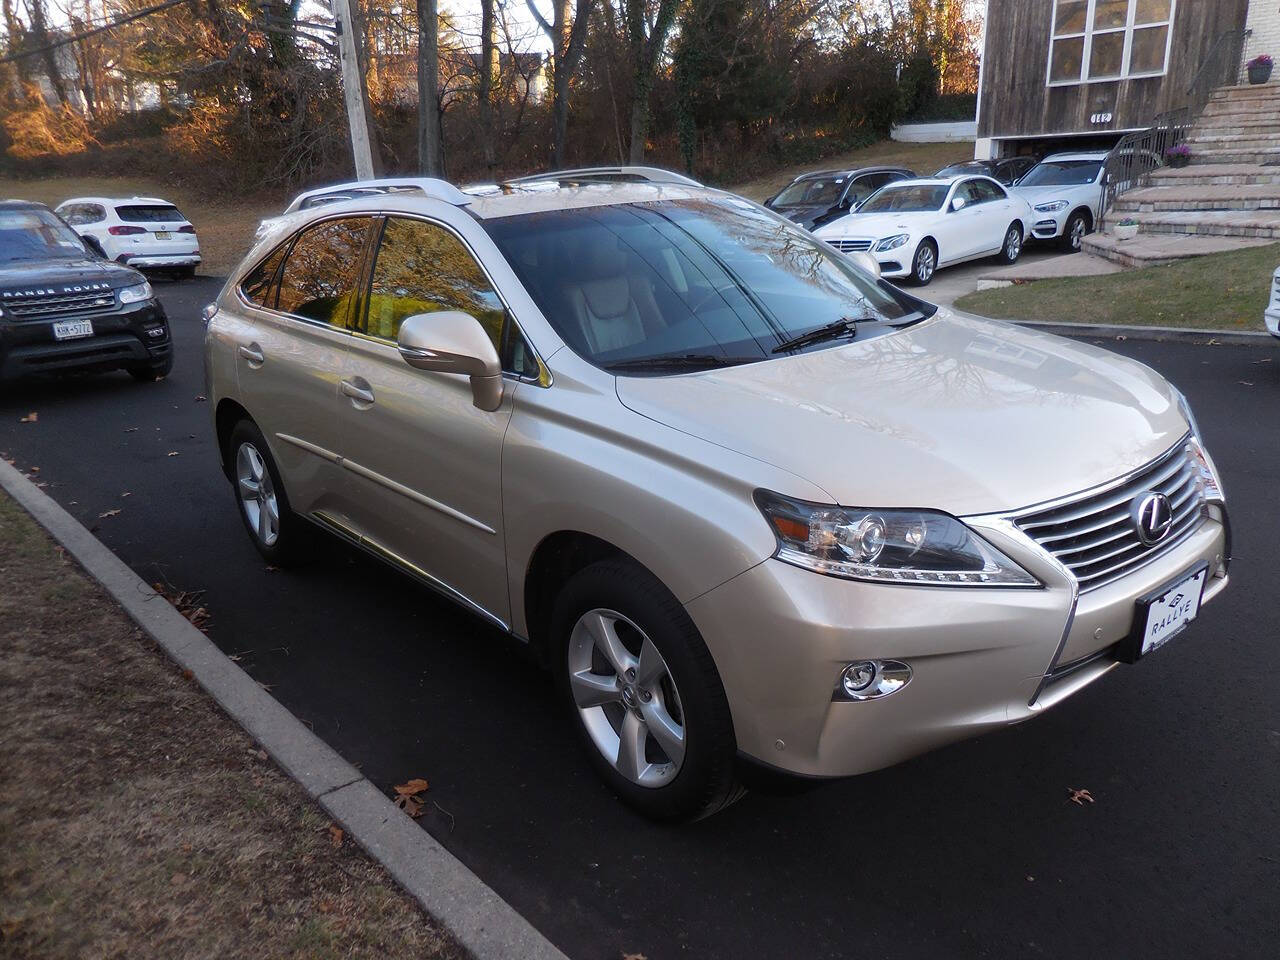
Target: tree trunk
point(430, 145)
point(50, 56)
point(488, 70)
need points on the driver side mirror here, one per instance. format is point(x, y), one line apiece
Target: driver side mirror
point(94, 246)
point(958, 204)
point(450, 341)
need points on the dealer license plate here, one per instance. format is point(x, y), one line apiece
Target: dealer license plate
point(162, 234)
point(71, 329)
point(1168, 614)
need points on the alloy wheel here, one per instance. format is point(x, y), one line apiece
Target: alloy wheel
point(627, 698)
point(1077, 233)
point(257, 494)
point(1012, 244)
point(925, 264)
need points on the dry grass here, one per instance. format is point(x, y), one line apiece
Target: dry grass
point(924, 158)
point(225, 224)
point(136, 820)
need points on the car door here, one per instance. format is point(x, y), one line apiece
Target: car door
point(961, 231)
point(426, 460)
point(997, 210)
point(291, 341)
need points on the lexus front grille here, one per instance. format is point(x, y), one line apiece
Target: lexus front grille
point(1095, 535)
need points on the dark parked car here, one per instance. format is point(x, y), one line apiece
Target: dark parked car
point(1008, 171)
point(818, 198)
point(63, 306)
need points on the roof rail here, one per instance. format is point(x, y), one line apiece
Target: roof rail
point(642, 174)
point(431, 187)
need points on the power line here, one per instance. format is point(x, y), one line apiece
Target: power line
point(89, 33)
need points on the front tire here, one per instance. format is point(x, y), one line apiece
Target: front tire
point(1075, 231)
point(263, 506)
point(644, 693)
point(1011, 249)
point(924, 264)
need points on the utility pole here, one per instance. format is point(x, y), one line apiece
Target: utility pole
point(353, 90)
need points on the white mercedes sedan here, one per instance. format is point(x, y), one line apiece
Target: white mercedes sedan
point(915, 227)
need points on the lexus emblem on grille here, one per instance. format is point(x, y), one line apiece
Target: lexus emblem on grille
point(1152, 517)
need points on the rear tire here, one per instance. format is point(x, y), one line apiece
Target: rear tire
point(924, 264)
point(275, 530)
point(1011, 249)
point(633, 670)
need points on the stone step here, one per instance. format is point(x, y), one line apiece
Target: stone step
point(1230, 126)
point(1243, 112)
point(1212, 143)
point(1261, 91)
point(1265, 158)
point(1224, 174)
point(1166, 199)
point(1160, 250)
point(1209, 223)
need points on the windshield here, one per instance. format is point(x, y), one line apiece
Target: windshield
point(915, 199)
point(37, 235)
point(816, 191)
point(149, 213)
point(707, 280)
point(1063, 173)
point(959, 169)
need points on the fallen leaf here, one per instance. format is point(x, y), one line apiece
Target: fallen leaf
point(634, 956)
point(1244, 383)
point(130, 429)
point(188, 675)
point(412, 787)
point(35, 469)
point(31, 417)
point(109, 513)
point(335, 835)
point(1080, 797)
point(260, 754)
point(271, 569)
point(172, 453)
point(187, 603)
point(201, 399)
point(127, 493)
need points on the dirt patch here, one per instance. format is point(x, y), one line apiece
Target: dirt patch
point(138, 821)
point(225, 225)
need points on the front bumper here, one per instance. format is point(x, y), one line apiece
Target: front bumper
point(981, 658)
point(125, 337)
point(1048, 226)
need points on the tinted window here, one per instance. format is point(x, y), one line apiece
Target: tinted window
point(683, 280)
point(150, 213)
point(259, 286)
point(37, 235)
point(320, 276)
point(814, 190)
point(1063, 173)
point(984, 191)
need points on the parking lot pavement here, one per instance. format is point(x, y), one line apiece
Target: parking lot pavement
point(971, 851)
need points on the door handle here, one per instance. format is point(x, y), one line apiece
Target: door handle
point(253, 353)
point(357, 392)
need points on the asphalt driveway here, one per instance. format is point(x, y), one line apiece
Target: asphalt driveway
point(971, 851)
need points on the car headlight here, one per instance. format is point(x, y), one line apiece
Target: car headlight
point(1206, 468)
point(886, 546)
point(893, 243)
point(1054, 206)
point(135, 294)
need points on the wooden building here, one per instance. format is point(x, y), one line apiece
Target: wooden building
point(1078, 74)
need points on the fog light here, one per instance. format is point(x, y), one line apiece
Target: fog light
point(858, 677)
point(871, 679)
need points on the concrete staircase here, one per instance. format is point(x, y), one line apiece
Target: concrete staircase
point(1227, 199)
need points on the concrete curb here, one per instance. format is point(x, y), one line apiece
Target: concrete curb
point(1108, 331)
point(480, 920)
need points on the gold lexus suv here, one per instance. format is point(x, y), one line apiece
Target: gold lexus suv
point(755, 507)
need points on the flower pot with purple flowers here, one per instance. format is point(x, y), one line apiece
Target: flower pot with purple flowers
point(1260, 69)
point(1178, 156)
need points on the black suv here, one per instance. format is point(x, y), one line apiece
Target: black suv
point(63, 306)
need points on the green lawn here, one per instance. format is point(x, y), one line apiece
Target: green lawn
point(1225, 291)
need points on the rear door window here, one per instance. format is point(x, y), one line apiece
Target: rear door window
point(259, 286)
point(150, 213)
point(321, 276)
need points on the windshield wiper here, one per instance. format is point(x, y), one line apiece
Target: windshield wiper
point(688, 361)
point(844, 327)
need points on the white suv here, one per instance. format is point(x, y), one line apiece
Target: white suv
point(146, 233)
point(1065, 191)
point(749, 504)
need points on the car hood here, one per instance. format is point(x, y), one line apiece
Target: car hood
point(62, 276)
point(804, 215)
point(956, 413)
point(878, 225)
point(1034, 195)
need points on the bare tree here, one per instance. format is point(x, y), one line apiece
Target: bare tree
point(567, 40)
point(430, 141)
point(488, 72)
point(646, 37)
point(41, 33)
